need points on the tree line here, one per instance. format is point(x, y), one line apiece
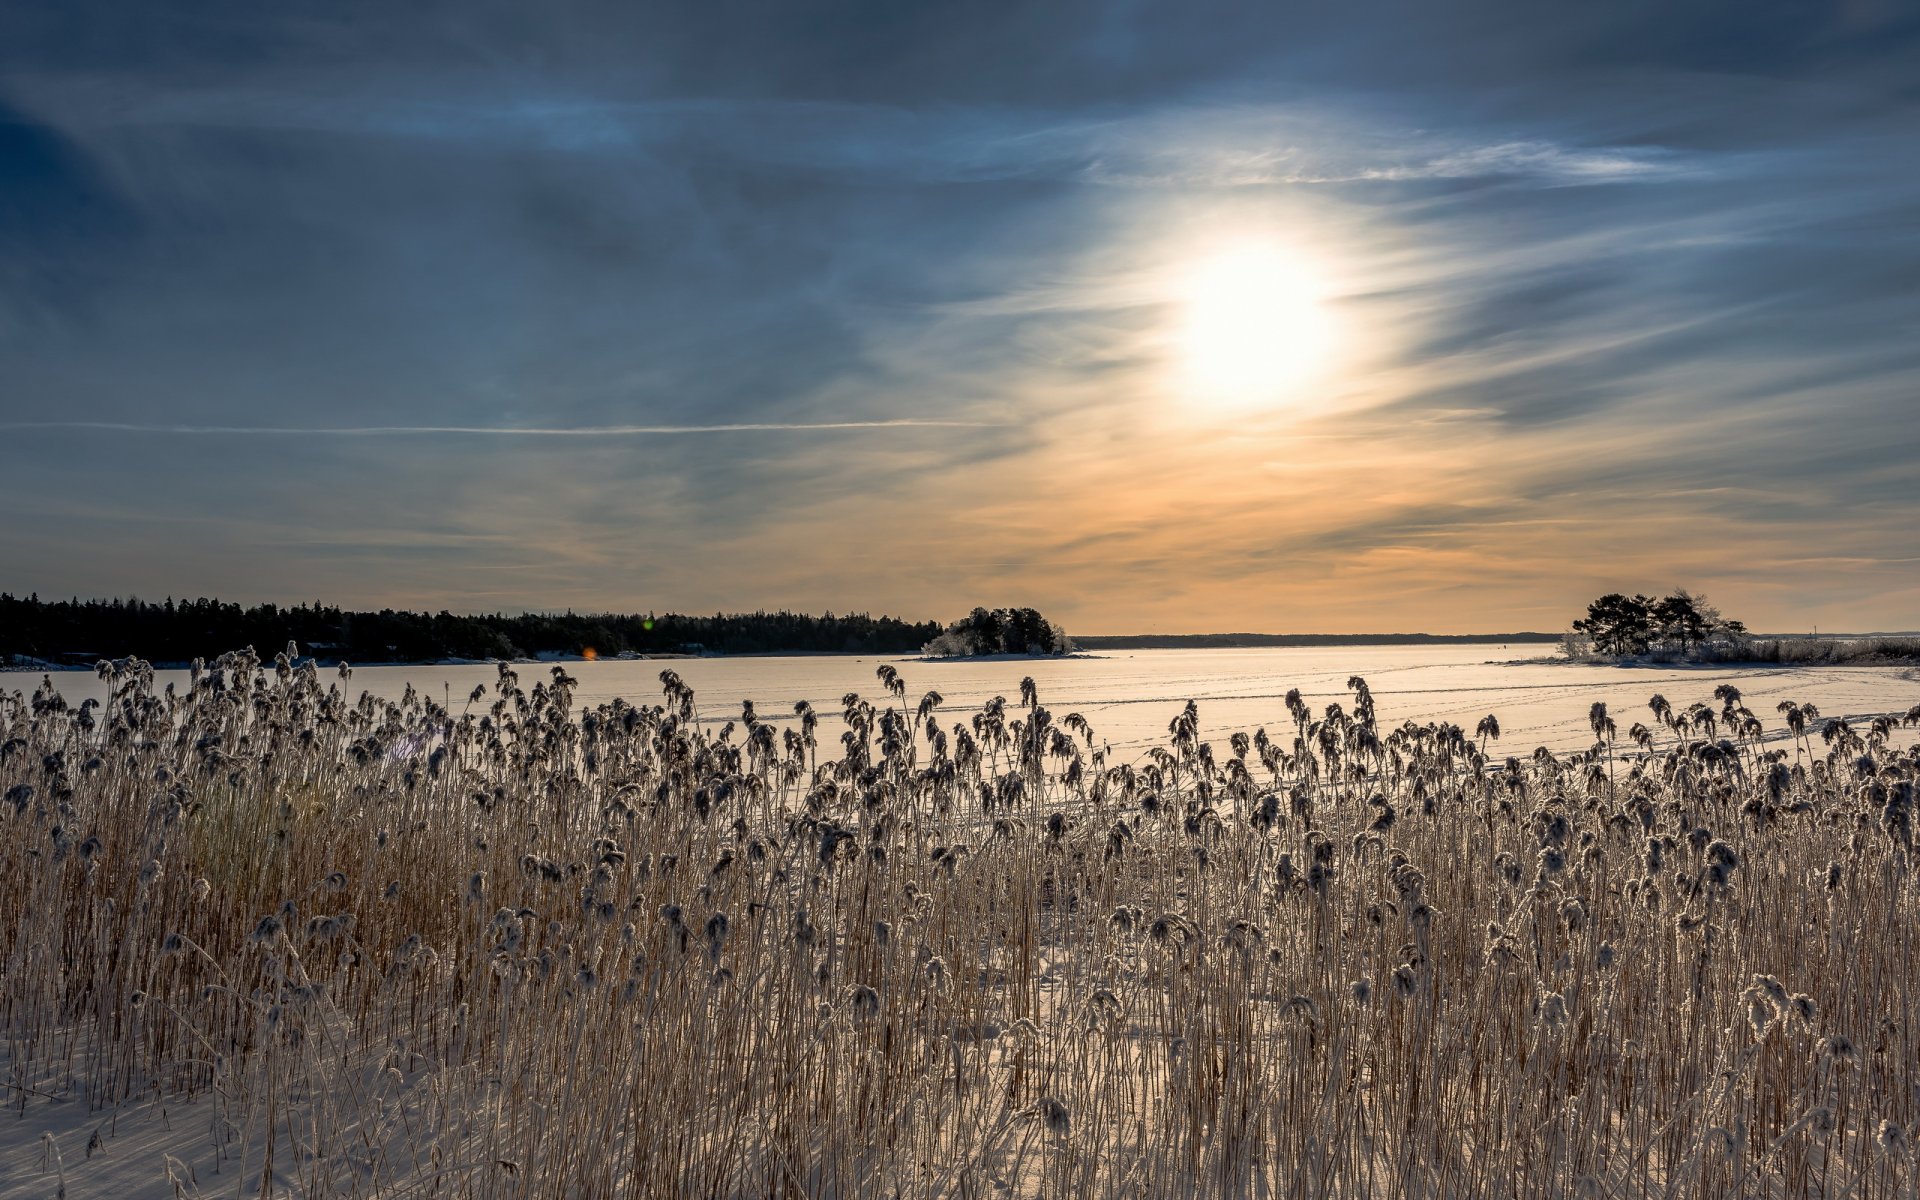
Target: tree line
point(80, 632)
point(1679, 623)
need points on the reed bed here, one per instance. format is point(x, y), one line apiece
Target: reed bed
point(1827, 651)
point(494, 946)
point(1874, 651)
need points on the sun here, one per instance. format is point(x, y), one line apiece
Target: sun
point(1254, 327)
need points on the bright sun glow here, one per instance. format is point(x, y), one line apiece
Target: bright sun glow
point(1255, 328)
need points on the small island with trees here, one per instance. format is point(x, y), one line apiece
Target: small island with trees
point(1682, 627)
point(1678, 625)
point(1011, 631)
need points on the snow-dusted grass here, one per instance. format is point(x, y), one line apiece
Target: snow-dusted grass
point(1803, 651)
point(264, 939)
point(1873, 650)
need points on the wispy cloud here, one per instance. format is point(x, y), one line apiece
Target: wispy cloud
point(583, 431)
point(1194, 144)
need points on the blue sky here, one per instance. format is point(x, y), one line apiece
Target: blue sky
point(896, 307)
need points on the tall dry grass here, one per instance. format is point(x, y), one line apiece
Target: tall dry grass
point(1878, 650)
point(1817, 651)
point(505, 949)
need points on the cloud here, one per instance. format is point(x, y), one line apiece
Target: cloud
point(511, 431)
point(1180, 145)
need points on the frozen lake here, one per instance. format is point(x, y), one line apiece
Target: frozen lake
point(1130, 696)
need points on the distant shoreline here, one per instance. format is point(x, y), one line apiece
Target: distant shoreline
point(979, 658)
point(1088, 647)
point(1250, 641)
point(1098, 645)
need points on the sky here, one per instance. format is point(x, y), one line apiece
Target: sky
point(1281, 317)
